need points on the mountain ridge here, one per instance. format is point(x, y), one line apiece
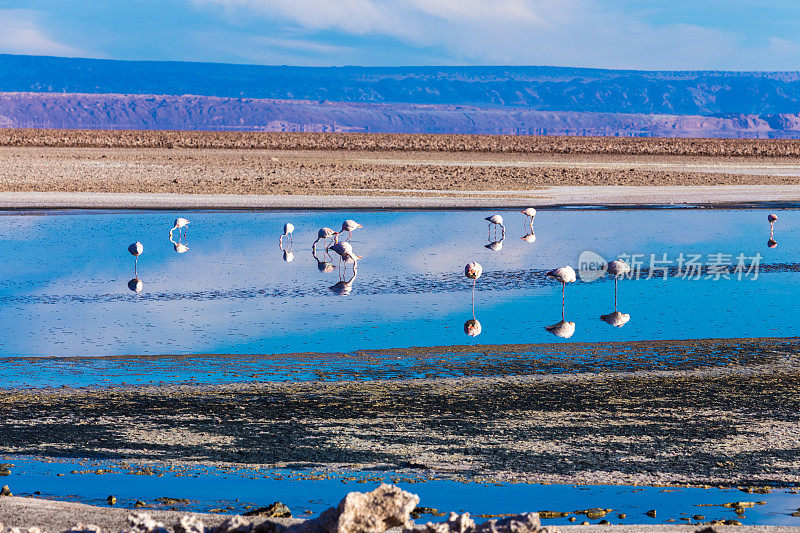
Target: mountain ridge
point(539, 88)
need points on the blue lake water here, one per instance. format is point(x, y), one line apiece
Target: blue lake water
point(231, 489)
point(64, 276)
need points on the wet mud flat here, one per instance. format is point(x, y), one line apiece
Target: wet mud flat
point(398, 363)
point(734, 425)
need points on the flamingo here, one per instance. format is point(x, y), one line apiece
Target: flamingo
point(772, 243)
point(617, 268)
point(529, 237)
point(288, 229)
point(348, 226)
point(180, 224)
point(495, 220)
point(529, 213)
point(473, 271)
point(565, 274)
point(323, 234)
point(136, 250)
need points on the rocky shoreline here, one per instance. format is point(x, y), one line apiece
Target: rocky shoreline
point(724, 426)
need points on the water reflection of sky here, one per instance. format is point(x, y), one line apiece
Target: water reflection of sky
point(63, 281)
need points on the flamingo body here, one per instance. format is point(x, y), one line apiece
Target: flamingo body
point(618, 268)
point(530, 237)
point(473, 270)
point(342, 248)
point(136, 249)
point(772, 217)
point(565, 274)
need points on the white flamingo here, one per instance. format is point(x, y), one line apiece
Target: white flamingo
point(565, 274)
point(136, 250)
point(772, 243)
point(496, 220)
point(617, 268)
point(323, 235)
point(529, 237)
point(180, 225)
point(529, 213)
point(473, 271)
point(288, 229)
point(322, 265)
point(349, 226)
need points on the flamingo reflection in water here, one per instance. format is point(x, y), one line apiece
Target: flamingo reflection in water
point(181, 245)
point(181, 224)
point(772, 243)
point(344, 287)
point(529, 237)
point(288, 253)
point(563, 328)
point(324, 265)
point(473, 271)
point(496, 246)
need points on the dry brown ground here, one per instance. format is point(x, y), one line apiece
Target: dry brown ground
point(232, 171)
point(402, 142)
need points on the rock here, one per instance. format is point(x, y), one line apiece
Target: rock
point(585, 523)
point(621, 516)
point(552, 514)
point(111, 499)
point(651, 513)
point(190, 524)
point(80, 527)
point(732, 523)
point(4, 471)
point(273, 510)
point(707, 530)
point(139, 504)
point(739, 505)
point(235, 524)
point(172, 501)
point(5, 491)
point(698, 517)
point(572, 519)
point(524, 523)
point(604, 522)
point(594, 514)
point(144, 523)
point(371, 512)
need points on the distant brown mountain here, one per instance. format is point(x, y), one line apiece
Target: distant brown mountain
point(187, 112)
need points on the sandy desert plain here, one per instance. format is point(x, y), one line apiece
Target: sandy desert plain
point(721, 413)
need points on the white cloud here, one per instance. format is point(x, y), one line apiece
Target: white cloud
point(20, 33)
point(521, 32)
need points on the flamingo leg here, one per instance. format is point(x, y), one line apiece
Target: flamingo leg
point(563, 285)
point(615, 294)
point(135, 266)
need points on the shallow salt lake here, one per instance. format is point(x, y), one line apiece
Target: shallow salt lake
point(308, 493)
point(64, 281)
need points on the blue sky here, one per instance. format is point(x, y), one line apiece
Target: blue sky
point(643, 34)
